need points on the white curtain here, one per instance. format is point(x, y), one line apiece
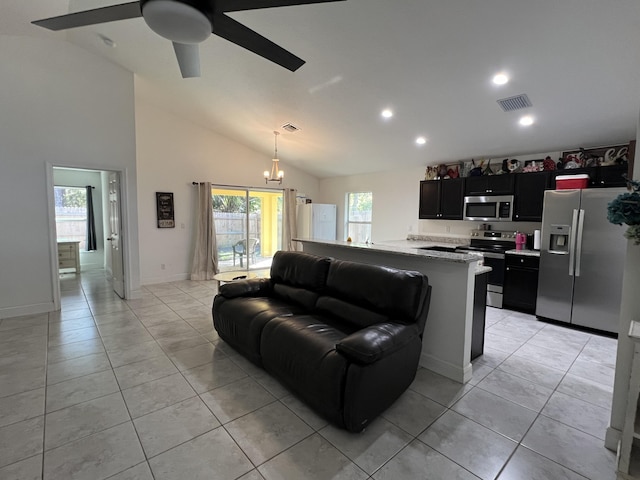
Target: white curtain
point(289, 223)
point(205, 256)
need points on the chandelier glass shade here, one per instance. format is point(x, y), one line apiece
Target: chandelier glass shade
point(276, 174)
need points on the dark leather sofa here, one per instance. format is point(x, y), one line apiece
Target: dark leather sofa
point(345, 337)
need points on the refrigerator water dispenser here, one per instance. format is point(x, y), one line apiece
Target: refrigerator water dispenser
point(559, 239)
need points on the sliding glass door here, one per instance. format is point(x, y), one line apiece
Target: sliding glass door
point(248, 227)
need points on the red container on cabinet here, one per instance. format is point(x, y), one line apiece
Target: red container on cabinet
point(567, 182)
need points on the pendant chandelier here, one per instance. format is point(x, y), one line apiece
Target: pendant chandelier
point(276, 174)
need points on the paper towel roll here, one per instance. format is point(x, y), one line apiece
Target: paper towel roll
point(536, 239)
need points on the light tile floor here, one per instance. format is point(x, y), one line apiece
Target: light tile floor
point(144, 389)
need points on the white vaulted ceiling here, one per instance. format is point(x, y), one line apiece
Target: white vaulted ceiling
point(430, 61)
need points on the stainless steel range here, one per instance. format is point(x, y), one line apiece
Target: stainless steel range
point(492, 245)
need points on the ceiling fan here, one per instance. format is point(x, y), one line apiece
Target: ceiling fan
point(189, 22)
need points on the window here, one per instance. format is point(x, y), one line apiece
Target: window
point(248, 227)
point(359, 208)
point(71, 214)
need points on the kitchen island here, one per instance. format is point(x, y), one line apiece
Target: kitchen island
point(446, 345)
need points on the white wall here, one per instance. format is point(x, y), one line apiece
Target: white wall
point(172, 153)
point(629, 310)
point(395, 200)
point(81, 178)
point(396, 197)
point(60, 106)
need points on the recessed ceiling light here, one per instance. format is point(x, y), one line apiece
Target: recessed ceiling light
point(500, 78)
point(386, 113)
point(526, 120)
point(421, 140)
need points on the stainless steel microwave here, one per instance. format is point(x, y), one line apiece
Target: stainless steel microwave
point(489, 208)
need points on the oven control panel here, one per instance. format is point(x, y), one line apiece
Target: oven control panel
point(493, 234)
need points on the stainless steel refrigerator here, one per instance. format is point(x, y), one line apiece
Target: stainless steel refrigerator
point(581, 259)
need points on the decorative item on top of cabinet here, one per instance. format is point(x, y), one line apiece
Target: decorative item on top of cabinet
point(595, 157)
point(441, 199)
point(442, 171)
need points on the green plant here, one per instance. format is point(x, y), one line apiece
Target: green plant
point(626, 209)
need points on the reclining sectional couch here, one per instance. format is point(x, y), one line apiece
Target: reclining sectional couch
point(345, 337)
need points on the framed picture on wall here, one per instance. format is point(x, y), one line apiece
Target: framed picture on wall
point(164, 208)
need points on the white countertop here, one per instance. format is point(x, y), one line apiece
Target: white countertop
point(525, 253)
point(401, 247)
point(409, 247)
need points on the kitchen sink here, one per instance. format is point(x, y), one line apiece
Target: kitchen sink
point(439, 248)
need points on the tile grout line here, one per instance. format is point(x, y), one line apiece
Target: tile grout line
point(539, 413)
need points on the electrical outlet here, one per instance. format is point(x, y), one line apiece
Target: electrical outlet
point(162, 266)
point(182, 226)
point(448, 229)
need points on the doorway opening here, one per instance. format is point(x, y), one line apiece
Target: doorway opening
point(86, 230)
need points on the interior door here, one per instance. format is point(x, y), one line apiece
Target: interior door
point(115, 236)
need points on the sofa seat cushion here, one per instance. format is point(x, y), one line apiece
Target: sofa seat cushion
point(239, 321)
point(300, 351)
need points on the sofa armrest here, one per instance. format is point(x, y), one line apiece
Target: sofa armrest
point(370, 344)
point(253, 287)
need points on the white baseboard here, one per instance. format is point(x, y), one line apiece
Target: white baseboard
point(164, 279)
point(611, 438)
point(36, 308)
point(454, 372)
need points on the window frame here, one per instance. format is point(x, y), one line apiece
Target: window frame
point(246, 193)
point(349, 222)
point(58, 221)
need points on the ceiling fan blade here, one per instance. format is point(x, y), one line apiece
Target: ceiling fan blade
point(237, 33)
point(238, 5)
point(92, 17)
point(188, 55)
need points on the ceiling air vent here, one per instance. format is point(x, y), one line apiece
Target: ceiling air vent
point(290, 127)
point(515, 103)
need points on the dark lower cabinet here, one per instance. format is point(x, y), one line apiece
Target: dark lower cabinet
point(521, 283)
point(479, 315)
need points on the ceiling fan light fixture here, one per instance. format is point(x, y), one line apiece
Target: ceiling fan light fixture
point(176, 21)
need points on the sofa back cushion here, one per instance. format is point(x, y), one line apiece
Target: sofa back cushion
point(369, 294)
point(299, 277)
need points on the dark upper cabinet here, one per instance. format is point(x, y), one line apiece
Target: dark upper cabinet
point(529, 196)
point(441, 199)
point(451, 198)
point(429, 199)
point(612, 176)
point(602, 177)
point(491, 184)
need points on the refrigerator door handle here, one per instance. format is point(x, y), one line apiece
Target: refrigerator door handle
point(579, 241)
point(572, 242)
